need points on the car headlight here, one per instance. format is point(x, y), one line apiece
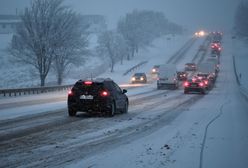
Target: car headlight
point(142, 78)
point(133, 78)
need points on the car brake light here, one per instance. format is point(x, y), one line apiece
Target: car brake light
point(104, 93)
point(70, 92)
point(186, 84)
point(201, 84)
point(88, 82)
point(206, 82)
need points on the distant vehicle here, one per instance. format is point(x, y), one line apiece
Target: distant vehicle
point(216, 48)
point(97, 96)
point(194, 85)
point(206, 78)
point(155, 69)
point(139, 78)
point(190, 67)
point(182, 75)
point(167, 77)
point(216, 61)
point(208, 68)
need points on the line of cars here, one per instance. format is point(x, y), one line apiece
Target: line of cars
point(207, 71)
point(104, 96)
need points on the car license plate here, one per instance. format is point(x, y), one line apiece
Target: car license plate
point(88, 97)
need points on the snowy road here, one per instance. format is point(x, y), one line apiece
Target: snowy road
point(162, 129)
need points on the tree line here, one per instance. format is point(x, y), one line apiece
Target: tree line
point(52, 36)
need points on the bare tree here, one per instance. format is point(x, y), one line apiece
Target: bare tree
point(72, 45)
point(43, 35)
point(140, 28)
point(112, 45)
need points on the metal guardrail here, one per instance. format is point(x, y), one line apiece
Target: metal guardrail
point(134, 67)
point(38, 90)
point(235, 71)
point(34, 90)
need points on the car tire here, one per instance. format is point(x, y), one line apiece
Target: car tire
point(125, 109)
point(72, 112)
point(111, 112)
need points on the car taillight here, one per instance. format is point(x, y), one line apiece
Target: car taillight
point(70, 93)
point(206, 82)
point(186, 84)
point(104, 93)
point(201, 84)
point(87, 82)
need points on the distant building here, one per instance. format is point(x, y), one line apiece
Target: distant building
point(8, 23)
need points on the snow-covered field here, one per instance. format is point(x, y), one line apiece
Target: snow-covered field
point(162, 128)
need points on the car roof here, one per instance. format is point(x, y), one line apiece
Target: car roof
point(97, 80)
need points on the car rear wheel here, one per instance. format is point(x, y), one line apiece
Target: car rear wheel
point(125, 109)
point(111, 112)
point(72, 112)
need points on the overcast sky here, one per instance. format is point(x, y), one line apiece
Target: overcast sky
point(192, 14)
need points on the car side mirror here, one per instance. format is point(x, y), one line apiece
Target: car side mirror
point(124, 91)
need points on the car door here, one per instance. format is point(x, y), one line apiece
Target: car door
point(120, 96)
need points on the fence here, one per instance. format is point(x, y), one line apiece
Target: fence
point(35, 90)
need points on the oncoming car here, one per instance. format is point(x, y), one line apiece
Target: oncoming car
point(190, 66)
point(139, 78)
point(101, 95)
point(182, 75)
point(155, 69)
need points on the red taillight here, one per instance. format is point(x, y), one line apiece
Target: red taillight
point(186, 84)
point(104, 93)
point(206, 82)
point(70, 92)
point(201, 84)
point(87, 82)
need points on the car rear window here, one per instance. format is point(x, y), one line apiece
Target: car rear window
point(92, 88)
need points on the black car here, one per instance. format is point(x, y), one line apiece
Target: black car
point(97, 96)
point(194, 85)
point(182, 75)
point(139, 78)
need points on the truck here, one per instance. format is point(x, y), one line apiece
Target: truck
point(208, 68)
point(216, 62)
point(167, 77)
